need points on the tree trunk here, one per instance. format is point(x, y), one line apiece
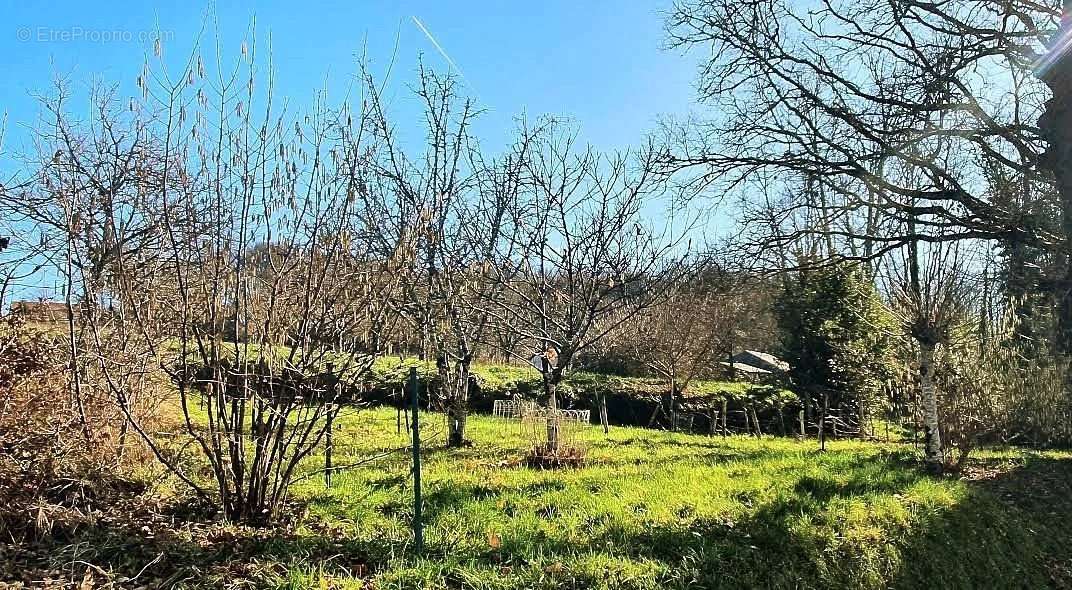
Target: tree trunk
point(458, 409)
point(603, 419)
point(673, 406)
point(550, 386)
point(549, 389)
point(456, 416)
point(932, 436)
point(1055, 126)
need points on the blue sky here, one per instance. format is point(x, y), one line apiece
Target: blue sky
point(600, 63)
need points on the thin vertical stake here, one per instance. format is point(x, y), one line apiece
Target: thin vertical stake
point(822, 422)
point(328, 447)
point(725, 413)
point(333, 408)
point(418, 528)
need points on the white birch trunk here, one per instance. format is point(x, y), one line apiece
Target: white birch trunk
point(934, 455)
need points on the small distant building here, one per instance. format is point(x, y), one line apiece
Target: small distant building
point(757, 364)
point(40, 311)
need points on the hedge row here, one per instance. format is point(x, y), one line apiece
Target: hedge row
point(630, 400)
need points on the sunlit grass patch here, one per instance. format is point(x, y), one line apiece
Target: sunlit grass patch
point(653, 509)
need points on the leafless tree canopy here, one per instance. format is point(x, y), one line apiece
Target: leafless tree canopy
point(583, 261)
point(867, 114)
point(256, 258)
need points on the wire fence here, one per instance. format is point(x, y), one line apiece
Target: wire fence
point(511, 409)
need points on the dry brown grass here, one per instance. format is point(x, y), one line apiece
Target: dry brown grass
point(60, 454)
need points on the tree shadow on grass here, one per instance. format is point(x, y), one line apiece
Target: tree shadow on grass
point(714, 453)
point(445, 496)
point(145, 551)
point(880, 522)
point(1012, 529)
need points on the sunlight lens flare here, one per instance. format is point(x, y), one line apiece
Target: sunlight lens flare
point(1059, 48)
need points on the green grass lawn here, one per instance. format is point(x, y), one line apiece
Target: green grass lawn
point(653, 509)
point(650, 509)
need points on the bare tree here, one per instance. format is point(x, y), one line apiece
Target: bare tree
point(583, 262)
point(689, 333)
point(213, 237)
point(887, 129)
point(460, 203)
point(929, 286)
point(20, 256)
point(87, 208)
point(841, 104)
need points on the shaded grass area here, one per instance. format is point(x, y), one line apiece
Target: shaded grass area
point(650, 509)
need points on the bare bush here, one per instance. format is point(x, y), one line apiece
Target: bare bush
point(214, 242)
point(458, 203)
